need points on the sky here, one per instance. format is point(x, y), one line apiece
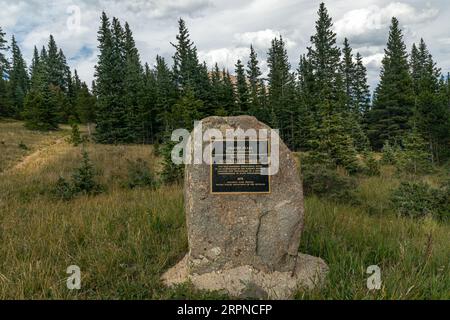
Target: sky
point(224, 30)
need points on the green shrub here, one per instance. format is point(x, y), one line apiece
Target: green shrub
point(63, 190)
point(23, 146)
point(418, 199)
point(83, 182)
point(372, 166)
point(326, 182)
point(414, 157)
point(171, 173)
point(389, 153)
point(75, 137)
point(140, 175)
point(83, 179)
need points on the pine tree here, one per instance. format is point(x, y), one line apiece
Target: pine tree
point(361, 88)
point(166, 96)
point(186, 111)
point(134, 89)
point(431, 115)
point(85, 106)
point(228, 96)
point(18, 79)
point(5, 103)
point(324, 89)
point(216, 91)
point(110, 70)
point(348, 71)
point(414, 156)
point(3, 47)
point(254, 80)
point(242, 94)
point(186, 66)
point(281, 97)
point(394, 96)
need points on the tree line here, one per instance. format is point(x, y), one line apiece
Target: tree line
point(324, 106)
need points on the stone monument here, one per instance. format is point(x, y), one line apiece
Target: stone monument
point(244, 228)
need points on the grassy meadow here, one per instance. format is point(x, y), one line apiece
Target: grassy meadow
point(124, 239)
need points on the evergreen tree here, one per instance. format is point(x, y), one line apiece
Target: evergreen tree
point(242, 93)
point(414, 156)
point(186, 66)
point(85, 106)
point(134, 89)
point(5, 103)
point(361, 88)
point(4, 66)
point(324, 89)
point(254, 80)
point(281, 95)
point(394, 96)
point(216, 90)
point(228, 96)
point(166, 96)
point(348, 71)
point(431, 114)
point(110, 70)
point(18, 79)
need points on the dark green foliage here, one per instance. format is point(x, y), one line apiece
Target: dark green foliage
point(242, 93)
point(63, 190)
point(431, 112)
point(83, 179)
point(372, 166)
point(75, 137)
point(394, 97)
point(140, 174)
point(390, 153)
point(418, 199)
point(18, 79)
point(171, 173)
point(23, 146)
point(414, 157)
point(5, 103)
point(281, 97)
point(82, 182)
point(40, 110)
point(324, 181)
point(256, 88)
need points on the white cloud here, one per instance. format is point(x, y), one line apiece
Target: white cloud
point(261, 39)
point(360, 21)
point(225, 57)
point(10, 12)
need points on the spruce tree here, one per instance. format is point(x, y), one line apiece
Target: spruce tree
point(254, 80)
point(361, 88)
point(5, 103)
point(186, 65)
point(166, 96)
point(228, 96)
point(281, 97)
point(393, 105)
point(431, 114)
point(134, 89)
point(332, 136)
point(110, 70)
point(85, 106)
point(18, 79)
point(242, 93)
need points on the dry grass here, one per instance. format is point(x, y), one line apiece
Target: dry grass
point(123, 240)
point(16, 142)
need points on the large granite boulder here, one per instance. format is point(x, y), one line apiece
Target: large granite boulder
point(246, 244)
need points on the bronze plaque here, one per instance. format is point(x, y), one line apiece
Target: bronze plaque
point(241, 172)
